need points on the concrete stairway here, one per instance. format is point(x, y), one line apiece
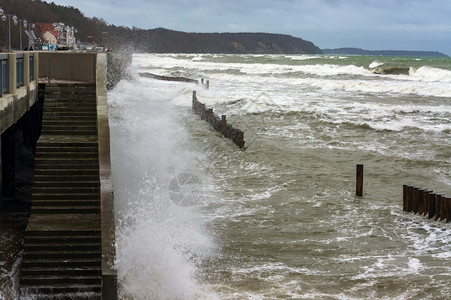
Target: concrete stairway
point(62, 251)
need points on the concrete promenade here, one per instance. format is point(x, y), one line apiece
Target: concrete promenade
point(69, 247)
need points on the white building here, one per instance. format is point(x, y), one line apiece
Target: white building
point(66, 35)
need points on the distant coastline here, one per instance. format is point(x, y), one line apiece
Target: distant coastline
point(407, 53)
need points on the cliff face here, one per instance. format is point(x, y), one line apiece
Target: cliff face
point(358, 51)
point(162, 40)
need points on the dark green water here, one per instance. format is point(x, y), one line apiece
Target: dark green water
point(280, 220)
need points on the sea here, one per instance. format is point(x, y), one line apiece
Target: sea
point(199, 218)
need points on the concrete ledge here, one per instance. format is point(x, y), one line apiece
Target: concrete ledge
point(109, 273)
point(14, 106)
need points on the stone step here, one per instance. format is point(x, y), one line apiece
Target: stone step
point(65, 195)
point(66, 172)
point(52, 239)
point(65, 210)
point(42, 149)
point(90, 271)
point(79, 142)
point(61, 259)
point(67, 291)
point(74, 125)
point(46, 157)
point(70, 96)
point(66, 178)
point(66, 165)
point(66, 126)
point(71, 118)
point(69, 113)
point(68, 103)
point(62, 247)
point(66, 202)
point(92, 111)
point(47, 259)
point(62, 233)
point(47, 147)
point(58, 280)
point(78, 93)
point(62, 152)
point(44, 184)
point(73, 190)
point(69, 132)
point(69, 122)
point(75, 165)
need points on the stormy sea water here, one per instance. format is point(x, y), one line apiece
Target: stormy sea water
point(199, 218)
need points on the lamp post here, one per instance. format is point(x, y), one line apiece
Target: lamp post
point(4, 16)
point(24, 22)
point(30, 35)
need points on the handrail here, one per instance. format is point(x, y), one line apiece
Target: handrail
point(19, 70)
point(4, 74)
point(31, 65)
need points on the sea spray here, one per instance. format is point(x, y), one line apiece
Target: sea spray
point(159, 243)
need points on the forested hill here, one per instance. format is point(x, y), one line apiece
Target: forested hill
point(152, 40)
point(168, 41)
point(358, 51)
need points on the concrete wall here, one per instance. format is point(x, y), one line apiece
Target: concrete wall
point(70, 66)
point(109, 273)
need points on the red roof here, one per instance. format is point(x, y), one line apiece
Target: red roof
point(44, 27)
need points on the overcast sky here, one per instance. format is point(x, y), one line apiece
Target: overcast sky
point(367, 24)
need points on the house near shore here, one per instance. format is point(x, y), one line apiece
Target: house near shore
point(58, 36)
point(48, 32)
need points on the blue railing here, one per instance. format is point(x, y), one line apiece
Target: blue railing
point(31, 66)
point(4, 74)
point(20, 70)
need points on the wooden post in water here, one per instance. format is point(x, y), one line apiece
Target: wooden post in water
point(448, 208)
point(426, 202)
point(420, 201)
point(359, 180)
point(438, 199)
point(416, 196)
point(442, 208)
point(431, 205)
point(405, 189)
point(208, 84)
point(409, 198)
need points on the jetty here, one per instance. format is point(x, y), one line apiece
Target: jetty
point(58, 100)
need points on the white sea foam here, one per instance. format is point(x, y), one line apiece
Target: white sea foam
point(375, 64)
point(429, 74)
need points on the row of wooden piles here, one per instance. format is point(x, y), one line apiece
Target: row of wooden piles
point(219, 124)
point(425, 202)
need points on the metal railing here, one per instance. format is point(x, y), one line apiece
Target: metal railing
point(31, 66)
point(19, 70)
point(4, 74)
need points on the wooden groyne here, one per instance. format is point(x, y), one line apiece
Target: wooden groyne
point(425, 202)
point(204, 83)
point(168, 78)
point(219, 124)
